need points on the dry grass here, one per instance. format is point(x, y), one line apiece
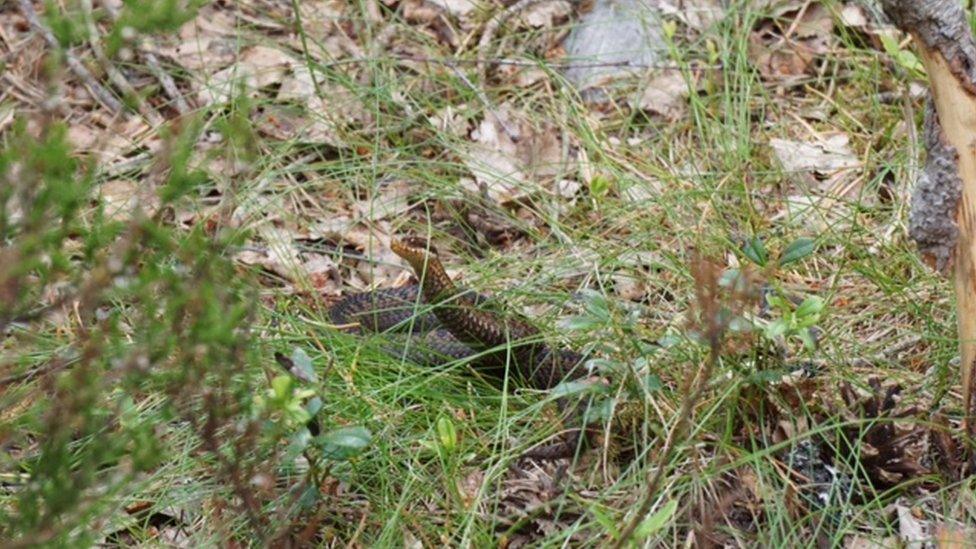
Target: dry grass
point(392, 133)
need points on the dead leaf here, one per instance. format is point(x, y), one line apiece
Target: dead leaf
point(379, 265)
point(121, 198)
point(311, 117)
point(826, 155)
point(458, 8)
point(391, 200)
point(205, 44)
point(862, 542)
point(954, 537)
point(256, 68)
point(109, 144)
point(299, 85)
point(912, 531)
point(323, 273)
point(547, 14)
point(785, 46)
point(666, 95)
point(852, 15)
point(470, 486)
point(508, 155)
point(567, 188)
point(448, 120)
point(696, 14)
point(629, 286)
point(278, 255)
point(435, 17)
point(319, 17)
point(641, 191)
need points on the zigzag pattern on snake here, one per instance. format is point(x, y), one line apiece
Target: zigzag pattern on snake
point(460, 327)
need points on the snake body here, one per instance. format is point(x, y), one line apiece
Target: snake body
point(459, 327)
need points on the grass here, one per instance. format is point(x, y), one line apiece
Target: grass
point(440, 466)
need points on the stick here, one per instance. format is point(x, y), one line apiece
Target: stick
point(492, 27)
point(114, 74)
point(152, 62)
point(943, 217)
point(97, 90)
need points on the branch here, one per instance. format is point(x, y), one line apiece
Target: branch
point(97, 90)
point(943, 217)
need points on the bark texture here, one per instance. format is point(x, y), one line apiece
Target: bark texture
point(932, 221)
point(940, 25)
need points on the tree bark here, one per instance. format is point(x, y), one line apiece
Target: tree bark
point(943, 218)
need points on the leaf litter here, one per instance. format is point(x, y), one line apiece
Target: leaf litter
point(505, 152)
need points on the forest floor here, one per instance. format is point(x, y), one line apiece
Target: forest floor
point(771, 144)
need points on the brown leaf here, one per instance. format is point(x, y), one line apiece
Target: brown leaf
point(122, 197)
point(828, 154)
point(508, 155)
point(547, 14)
point(458, 8)
point(207, 43)
point(696, 14)
point(391, 200)
point(862, 542)
point(954, 537)
point(256, 68)
point(912, 531)
point(785, 47)
point(666, 96)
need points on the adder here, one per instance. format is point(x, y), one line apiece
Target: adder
point(459, 328)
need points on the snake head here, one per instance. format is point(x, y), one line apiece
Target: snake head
point(414, 249)
point(418, 252)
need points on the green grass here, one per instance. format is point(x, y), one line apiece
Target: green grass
point(709, 182)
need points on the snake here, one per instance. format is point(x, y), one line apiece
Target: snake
point(459, 325)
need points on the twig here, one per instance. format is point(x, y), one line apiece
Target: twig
point(114, 74)
point(97, 90)
point(706, 290)
point(156, 68)
point(166, 81)
point(680, 426)
point(519, 63)
point(492, 27)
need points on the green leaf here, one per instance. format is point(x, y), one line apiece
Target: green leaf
point(595, 303)
point(608, 522)
point(755, 251)
point(776, 301)
point(605, 366)
point(302, 366)
point(658, 520)
point(797, 250)
point(345, 443)
point(313, 406)
point(446, 434)
point(653, 383)
point(600, 411)
point(568, 388)
point(809, 341)
point(580, 323)
point(281, 388)
point(599, 186)
point(669, 340)
point(297, 443)
point(776, 329)
point(811, 307)
point(903, 57)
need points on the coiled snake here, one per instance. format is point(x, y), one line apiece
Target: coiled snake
point(461, 328)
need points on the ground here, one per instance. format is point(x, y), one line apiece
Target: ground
point(252, 161)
